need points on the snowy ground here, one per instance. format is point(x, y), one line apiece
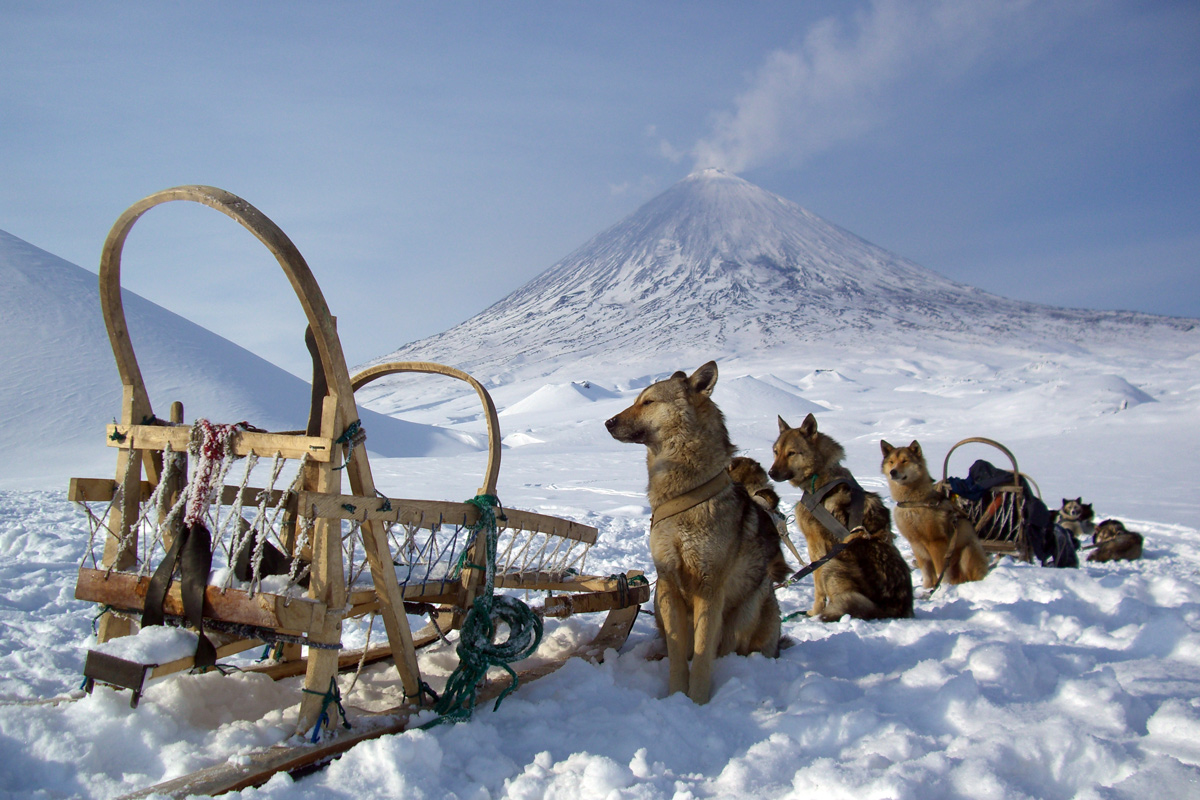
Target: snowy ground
point(1032, 683)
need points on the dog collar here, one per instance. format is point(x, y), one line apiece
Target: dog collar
point(705, 491)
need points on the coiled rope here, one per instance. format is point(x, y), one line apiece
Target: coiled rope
point(476, 650)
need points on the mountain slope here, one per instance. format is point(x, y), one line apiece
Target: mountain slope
point(59, 384)
point(716, 265)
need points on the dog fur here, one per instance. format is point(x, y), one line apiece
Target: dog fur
point(868, 579)
point(716, 561)
point(1115, 542)
point(1077, 517)
point(931, 522)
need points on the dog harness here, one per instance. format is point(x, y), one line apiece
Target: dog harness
point(705, 491)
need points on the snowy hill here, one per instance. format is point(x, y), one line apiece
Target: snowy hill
point(716, 266)
point(59, 385)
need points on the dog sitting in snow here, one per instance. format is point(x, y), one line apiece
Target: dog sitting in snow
point(716, 551)
point(942, 538)
point(868, 579)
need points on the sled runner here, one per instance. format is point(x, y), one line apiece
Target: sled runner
point(182, 535)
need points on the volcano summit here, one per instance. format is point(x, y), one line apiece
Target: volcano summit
point(716, 265)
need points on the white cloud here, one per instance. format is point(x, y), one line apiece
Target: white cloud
point(836, 85)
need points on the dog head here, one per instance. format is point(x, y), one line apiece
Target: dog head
point(1108, 530)
point(748, 473)
point(803, 452)
point(903, 465)
point(678, 406)
point(1076, 510)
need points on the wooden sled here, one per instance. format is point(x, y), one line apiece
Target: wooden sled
point(1000, 518)
point(347, 553)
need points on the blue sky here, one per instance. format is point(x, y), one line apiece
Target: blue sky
point(429, 158)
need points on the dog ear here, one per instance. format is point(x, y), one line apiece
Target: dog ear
point(704, 379)
point(885, 447)
point(915, 447)
point(783, 426)
point(679, 375)
point(809, 426)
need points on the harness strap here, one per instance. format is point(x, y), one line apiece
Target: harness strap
point(814, 502)
point(705, 491)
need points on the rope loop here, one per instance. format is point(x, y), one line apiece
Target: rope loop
point(477, 652)
point(330, 697)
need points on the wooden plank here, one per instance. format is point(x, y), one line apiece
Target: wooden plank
point(255, 769)
point(102, 490)
point(264, 445)
point(424, 513)
point(564, 605)
point(180, 664)
point(127, 591)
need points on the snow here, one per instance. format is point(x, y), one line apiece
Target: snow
point(1033, 683)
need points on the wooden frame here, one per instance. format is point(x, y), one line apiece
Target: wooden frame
point(142, 442)
point(1008, 499)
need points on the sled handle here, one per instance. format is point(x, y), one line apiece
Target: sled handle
point(294, 266)
point(1017, 475)
point(492, 473)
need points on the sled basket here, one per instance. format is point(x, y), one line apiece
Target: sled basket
point(1004, 505)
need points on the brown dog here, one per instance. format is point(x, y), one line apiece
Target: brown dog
point(749, 474)
point(716, 550)
point(1115, 542)
point(868, 579)
point(929, 521)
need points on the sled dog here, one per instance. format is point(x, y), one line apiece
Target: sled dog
point(1115, 542)
point(941, 537)
point(869, 578)
point(716, 550)
point(751, 475)
point(1077, 517)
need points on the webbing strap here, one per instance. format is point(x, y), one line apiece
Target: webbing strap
point(192, 549)
point(814, 502)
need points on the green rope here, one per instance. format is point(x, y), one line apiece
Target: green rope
point(333, 696)
point(348, 438)
point(476, 650)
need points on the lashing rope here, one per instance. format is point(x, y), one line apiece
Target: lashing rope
point(476, 650)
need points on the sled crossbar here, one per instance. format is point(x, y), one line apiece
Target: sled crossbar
point(424, 513)
point(262, 444)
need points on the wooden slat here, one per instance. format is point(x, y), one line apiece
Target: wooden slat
point(564, 605)
point(180, 664)
point(101, 490)
point(128, 592)
point(264, 445)
point(425, 513)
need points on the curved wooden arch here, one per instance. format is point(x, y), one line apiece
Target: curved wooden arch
point(492, 473)
point(1017, 474)
point(137, 402)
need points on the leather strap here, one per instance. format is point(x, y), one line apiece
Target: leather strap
point(705, 491)
point(814, 502)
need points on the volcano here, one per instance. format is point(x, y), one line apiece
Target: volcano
point(715, 266)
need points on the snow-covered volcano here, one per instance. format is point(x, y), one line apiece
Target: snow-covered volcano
point(715, 266)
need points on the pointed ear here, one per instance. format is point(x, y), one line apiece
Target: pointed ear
point(783, 426)
point(885, 447)
point(704, 380)
point(809, 426)
point(679, 375)
point(915, 447)
point(1064, 502)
